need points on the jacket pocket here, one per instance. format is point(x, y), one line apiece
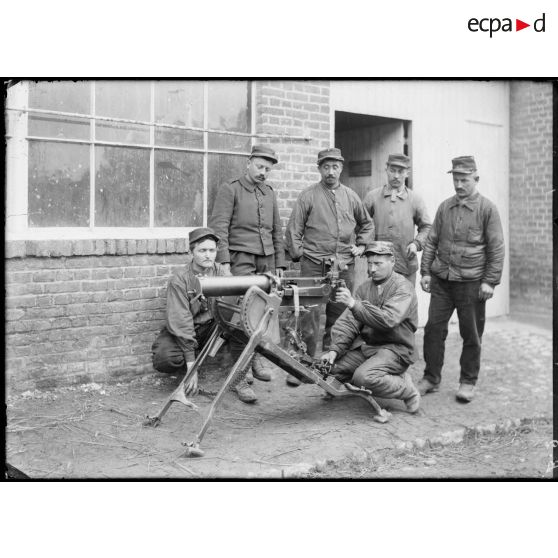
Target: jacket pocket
point(472, 266)
point(474, 235)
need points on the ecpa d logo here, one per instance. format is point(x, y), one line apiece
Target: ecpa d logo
point(492, 25)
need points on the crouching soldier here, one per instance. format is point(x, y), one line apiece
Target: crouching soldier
point(189, 320)
point(373, 341)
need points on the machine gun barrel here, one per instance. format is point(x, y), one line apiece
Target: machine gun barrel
point(235, 285)
point(231, 285)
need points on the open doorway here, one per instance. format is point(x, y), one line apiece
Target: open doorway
point(366, 141)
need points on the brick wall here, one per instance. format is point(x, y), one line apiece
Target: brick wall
point(84, 311)
point(294, 108)
point(531, 196)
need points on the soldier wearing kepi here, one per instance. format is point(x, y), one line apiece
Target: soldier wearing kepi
point(189, 320)
point(461, 264)
point(396, 210)
point(373, 342)
point(328, 220)
point(246, 218)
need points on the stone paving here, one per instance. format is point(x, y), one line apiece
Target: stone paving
point(96, 431)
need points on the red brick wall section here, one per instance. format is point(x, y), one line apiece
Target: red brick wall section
point(293, 108)
point(531, 196)
point(84, 311)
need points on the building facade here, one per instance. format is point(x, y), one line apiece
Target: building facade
point(105, 179)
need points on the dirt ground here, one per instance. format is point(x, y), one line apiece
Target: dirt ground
point(523, 452)
point(95, 431)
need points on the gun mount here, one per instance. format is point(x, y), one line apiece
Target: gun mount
point(252, 319)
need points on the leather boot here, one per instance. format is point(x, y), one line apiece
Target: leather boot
point(245, 393)
point(426, 386)
point(259, 371)
point(411, 395)
point(465, 393)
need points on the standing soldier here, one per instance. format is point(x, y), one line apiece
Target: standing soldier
point(461, 264)
point(328, 220)
point(396, 211)
point(246, 219)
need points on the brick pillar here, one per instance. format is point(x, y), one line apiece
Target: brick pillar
point(294, 108)
point(531, 197)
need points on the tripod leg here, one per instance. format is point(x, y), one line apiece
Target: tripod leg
point(178, 394)
point(193, 448)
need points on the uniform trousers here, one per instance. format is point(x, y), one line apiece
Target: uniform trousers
point(167, 355)
point(445, 297)
point(378, 369)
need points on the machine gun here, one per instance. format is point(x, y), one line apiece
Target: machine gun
point(250, 321)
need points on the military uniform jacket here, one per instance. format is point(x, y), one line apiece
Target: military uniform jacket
point(395, 214)
point(246, 219)
point(325, 223)
point(186, 310)
point(466, 242)
point(384, 315)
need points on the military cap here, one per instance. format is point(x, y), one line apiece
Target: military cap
point(199, 234)
point(380, 247)
point(265, 152)
point(464, 164)
point(330, 153)
point(399, 160)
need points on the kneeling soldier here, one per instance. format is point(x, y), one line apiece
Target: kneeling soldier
point(373, 340)
point(189, 320)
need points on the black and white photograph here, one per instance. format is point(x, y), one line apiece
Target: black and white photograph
point(278, 278)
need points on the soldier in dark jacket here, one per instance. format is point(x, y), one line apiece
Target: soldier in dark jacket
point(461, 265)
point(373, 341)
point(189, 320)
point(246, 219)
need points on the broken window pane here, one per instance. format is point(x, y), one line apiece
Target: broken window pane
point(121, 187)
point(58, 184)
point(178, 189)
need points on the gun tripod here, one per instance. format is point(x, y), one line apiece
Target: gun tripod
point(250, 322)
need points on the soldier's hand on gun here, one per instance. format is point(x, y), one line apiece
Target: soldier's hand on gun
point(425, 283)
point(357, 250)
point(226, 268)
point(485, 291)
point(329, 357)
point(411, 251)
point(191, 388)
point(344, 296)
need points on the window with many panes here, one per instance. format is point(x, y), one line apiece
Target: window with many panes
point(113, 157)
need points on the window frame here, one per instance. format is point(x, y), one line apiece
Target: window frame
point(17, 227)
